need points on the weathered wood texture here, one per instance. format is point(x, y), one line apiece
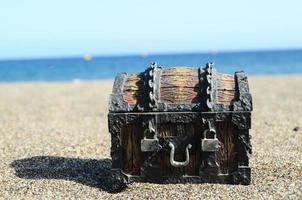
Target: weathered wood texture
point(227, 134)
point(179, 85)
point(225, 89)
point(133, 88)
point(132, 155)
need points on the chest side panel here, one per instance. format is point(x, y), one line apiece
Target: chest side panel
point(179, 85)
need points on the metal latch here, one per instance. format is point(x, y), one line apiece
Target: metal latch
point(149, 144)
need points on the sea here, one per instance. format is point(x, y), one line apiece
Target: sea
point(100, 67)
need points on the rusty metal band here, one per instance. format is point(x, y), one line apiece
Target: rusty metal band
point(211, 85)
point(214, 94)
point(152, 86)
point(119, 83)
point(116, 102)
point(156, 81)
point(244, 102)
point(202, 88)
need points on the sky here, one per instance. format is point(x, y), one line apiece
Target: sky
point(59, 28)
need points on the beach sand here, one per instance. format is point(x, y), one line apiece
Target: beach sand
point(54, 143)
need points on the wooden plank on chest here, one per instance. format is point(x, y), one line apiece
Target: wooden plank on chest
point(226, 156)
point(179, 85)
point(133, 88)
point(225, 89)
point(127, 148)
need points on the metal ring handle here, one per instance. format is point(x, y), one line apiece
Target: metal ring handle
point(177, 163)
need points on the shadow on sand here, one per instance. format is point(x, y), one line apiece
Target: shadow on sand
point(90, 172)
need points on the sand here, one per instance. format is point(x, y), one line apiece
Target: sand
point(54, 143)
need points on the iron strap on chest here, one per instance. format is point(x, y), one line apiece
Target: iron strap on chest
point(151, 88)
point(208, 87)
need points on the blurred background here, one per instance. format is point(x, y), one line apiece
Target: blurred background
point(87, 40)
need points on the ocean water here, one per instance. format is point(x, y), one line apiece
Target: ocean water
point(68, 69)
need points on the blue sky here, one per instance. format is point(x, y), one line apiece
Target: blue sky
point(56, 28)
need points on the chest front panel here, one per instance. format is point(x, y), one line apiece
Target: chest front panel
point(182, 134)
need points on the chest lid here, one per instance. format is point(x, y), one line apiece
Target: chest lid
point(180, 89)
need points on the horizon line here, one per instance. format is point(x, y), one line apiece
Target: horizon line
point(146, 54)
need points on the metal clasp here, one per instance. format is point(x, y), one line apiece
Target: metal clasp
point(177, 163)
point(149, 144)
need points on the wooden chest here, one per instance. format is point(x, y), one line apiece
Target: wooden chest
point(180, 124)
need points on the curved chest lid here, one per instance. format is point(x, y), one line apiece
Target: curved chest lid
point(180, 89)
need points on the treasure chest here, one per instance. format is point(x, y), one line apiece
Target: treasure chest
point(180, 124)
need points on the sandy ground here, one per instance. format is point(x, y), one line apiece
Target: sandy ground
point(54, 143)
